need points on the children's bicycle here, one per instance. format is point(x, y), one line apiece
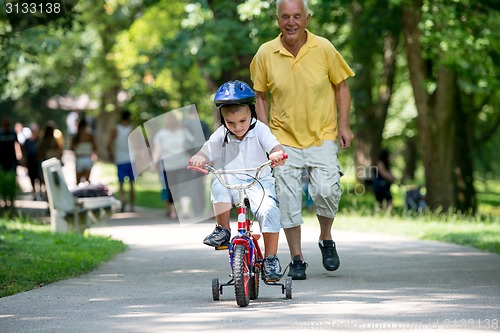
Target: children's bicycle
point(245, 257)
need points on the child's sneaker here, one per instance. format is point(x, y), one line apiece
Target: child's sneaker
point(272, 269)
point(218, 237)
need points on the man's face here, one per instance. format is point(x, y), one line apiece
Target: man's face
point(292, 20)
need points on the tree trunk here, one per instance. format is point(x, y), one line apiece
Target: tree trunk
point(371, 112)
point(107, 117)
point(410, 157)
point(465, 196)
point(435, 115)
point(105, 123)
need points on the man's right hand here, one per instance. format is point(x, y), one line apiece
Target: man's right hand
point(345, 137)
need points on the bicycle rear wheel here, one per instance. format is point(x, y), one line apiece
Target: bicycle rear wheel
point(241, 272)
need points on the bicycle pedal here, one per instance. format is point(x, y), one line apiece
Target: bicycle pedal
point(222, 247)
point(271, 281)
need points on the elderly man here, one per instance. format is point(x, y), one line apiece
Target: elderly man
point(310, 104)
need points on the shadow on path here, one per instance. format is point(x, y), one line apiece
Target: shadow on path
point(163, 284)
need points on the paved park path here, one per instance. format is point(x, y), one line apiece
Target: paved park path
point(162, 283)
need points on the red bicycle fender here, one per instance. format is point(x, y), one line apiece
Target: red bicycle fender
point(241, 241)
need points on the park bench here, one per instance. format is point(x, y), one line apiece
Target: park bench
point(67, 212)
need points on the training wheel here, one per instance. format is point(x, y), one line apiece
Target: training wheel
point(287, 288)
point(215, 289)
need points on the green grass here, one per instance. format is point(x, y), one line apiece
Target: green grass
point(32, 256)
point(480, 235)
point(481, 231)
point(147, 185)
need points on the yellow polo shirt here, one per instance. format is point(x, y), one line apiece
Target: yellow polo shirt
point(303, 109)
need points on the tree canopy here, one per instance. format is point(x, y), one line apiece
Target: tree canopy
point(426, 81)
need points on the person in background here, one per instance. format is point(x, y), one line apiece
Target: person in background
point(30, 149)
point(200, 130)
point(71, 126)
point(170, 156)
point(49, 146)
point(119, 153)
point(306, 78)
point(84, 146)
point(383, 181)
point(10, 155)
point(23, 133)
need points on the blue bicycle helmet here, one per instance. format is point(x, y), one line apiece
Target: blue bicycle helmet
point(234, 92)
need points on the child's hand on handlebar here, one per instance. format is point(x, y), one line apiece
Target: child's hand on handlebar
point(198, 161)
point(278, 158)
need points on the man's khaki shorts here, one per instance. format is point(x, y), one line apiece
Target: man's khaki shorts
point(324, 173)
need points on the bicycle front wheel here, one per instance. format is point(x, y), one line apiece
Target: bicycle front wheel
point(241, 272)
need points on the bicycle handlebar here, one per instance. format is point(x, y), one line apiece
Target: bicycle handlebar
point(218, 174)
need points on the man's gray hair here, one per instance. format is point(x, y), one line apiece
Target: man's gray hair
point(306, 5)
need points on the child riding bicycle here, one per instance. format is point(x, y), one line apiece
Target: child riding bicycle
point(243, 142)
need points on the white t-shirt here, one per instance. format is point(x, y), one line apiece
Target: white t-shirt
point(172, 147)
point(122, 154)
point(250, 152)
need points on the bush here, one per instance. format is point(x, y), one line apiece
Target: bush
point(8, 186)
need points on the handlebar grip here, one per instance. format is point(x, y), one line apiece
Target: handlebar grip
point(202, 170)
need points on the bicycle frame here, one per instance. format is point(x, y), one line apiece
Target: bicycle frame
point(244, 236)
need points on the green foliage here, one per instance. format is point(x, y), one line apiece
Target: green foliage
point(8, 185)
point(40, 63)
point(220, 43)
point(464, 35)
point(169, 53)
point(460, 38)
point(157, 59)
point(31, 256)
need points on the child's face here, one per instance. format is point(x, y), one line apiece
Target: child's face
point(238, 122)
